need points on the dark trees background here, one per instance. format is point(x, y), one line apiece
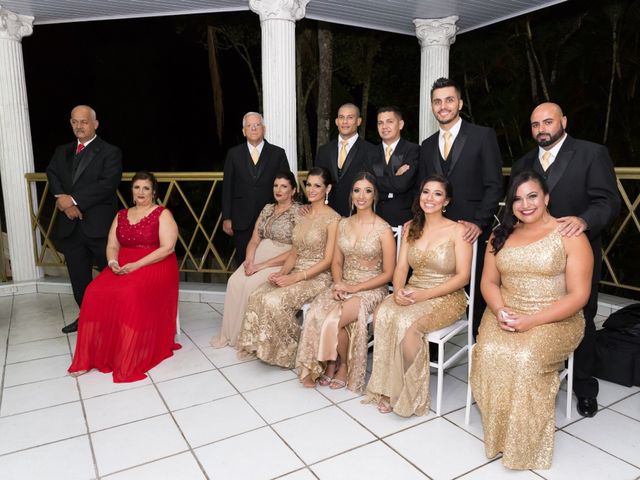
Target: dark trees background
point(171, 91)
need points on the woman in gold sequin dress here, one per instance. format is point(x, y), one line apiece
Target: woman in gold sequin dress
point(433, 246)
point(266, 252)
point(535, 282)
point(270, 329)
point(335, 327)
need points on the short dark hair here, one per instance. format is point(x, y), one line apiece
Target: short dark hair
point(291, 178)
point(391, 108)
point(146, 175)
point(443, 82)
point(323, 173)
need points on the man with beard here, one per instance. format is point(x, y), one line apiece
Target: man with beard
point(469, 157)
point(583, 198)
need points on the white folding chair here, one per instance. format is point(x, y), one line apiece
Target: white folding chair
point(442, 336)
point(565, 373)
point(177, 336)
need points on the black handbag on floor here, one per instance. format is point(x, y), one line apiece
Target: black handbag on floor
point(618, 347)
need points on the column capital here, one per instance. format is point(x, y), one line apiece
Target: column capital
point(14, 26)
point(292, 10)
point(436, 31)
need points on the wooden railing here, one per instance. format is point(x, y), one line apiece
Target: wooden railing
point(195, 200)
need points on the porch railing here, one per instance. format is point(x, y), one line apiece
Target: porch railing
point(195, 200)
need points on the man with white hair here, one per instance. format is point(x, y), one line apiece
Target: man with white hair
point(249, 171)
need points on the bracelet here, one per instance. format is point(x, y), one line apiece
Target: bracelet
point(112, 261)
point(304, 272)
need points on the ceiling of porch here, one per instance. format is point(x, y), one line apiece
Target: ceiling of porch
point(387, 15)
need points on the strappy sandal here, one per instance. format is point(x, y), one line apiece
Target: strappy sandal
point(325, 380)
point(337, 384)
point(384, 407)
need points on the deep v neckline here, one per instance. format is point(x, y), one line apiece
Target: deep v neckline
point(360, 238)
point(142, 219)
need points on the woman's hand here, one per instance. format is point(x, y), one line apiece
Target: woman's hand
point(286, 280)
point(514, 322)
point(342, 291)
point(404, 297)
point(249, 267)
point(114, 266)
point(128, 268)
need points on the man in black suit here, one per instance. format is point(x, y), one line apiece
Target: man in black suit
point(469, 156)
point(249, 171)
point(83, 176)
point(583, 196)
point(395, 164)
point(344, 157)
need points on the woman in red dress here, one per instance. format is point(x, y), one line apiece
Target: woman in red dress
point(128, 315)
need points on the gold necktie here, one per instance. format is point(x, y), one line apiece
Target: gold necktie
point(545, 161)
point(387, 154)
point(343, 153)
point(447, 144)
point(255, 155)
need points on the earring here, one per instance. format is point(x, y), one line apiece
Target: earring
point(444, 209)
point(326, 198)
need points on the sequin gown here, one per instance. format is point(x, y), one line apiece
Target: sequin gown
point(319, 338)
point(128, 322)
point(270, 329)
point(514, 376)
point(407, 386)
point(275, 239)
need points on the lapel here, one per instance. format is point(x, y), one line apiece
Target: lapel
point(262, 159)
point(397, 156)
point(560, 164)
point(434, 156)
point(378, 164)
point(458, 146)
point(333, 159)
point(353, 152)
point(86, 158)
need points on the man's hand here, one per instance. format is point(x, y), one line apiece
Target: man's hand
point(471, 231)
point(73, 212)
point(63, 201)
point(227, 227)
point(402, 170)
point(571, 226)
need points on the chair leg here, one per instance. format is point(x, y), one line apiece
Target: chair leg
point(177, 325)
point(440, 378)
point(569, 385)
point(467, 410)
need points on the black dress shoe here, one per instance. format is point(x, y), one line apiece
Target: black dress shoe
point(587, 406)
point(72, 327)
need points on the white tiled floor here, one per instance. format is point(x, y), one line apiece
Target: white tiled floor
point(204, 414)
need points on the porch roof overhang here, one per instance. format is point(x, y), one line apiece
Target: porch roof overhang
point(386, 15)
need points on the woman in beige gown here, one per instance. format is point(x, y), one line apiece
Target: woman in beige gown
point(270, 329)
point(266, 252)
point(335, 326)
point(433, 246)
point(535, 282)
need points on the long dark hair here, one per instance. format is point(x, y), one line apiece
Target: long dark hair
point(291, 178)
point(508, 221)
point(419, 218)
point(146, 175)
point(369, 177)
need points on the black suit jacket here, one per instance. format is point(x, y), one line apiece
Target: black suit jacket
point(397, 209)
point(93, 186)
point(356, 162)
point(475, 173)
point(582, 183)
point(246, 188)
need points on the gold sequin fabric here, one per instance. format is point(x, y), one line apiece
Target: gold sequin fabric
point(277, 227)
point(407, 386)
point(270, 329)
point(514, 375)
point(362, 261)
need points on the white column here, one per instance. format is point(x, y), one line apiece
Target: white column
point(278, 22)
point(436, 37)
point(16, 153)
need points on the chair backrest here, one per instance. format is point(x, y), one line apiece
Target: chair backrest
point(397, 234)
point(472, 292)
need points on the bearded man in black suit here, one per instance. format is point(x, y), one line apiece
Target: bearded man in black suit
point(395, 164)
point(83, 176)
point(469, 157)
point(583, 196)
point(249, 171)
point(344, 157)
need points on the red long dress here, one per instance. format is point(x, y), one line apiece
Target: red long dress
point(128, 322)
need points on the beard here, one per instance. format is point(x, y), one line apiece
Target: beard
point(552, 138)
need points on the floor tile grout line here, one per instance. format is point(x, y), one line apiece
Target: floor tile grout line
point(6, 352)
point(36, 359)
point(116, 472)
point(637, 467)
